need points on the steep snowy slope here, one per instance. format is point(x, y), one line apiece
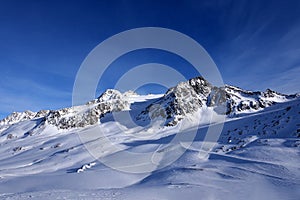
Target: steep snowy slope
point(256, 155)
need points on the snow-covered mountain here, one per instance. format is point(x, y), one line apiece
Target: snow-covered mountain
point(256, 155)
point(185, 98)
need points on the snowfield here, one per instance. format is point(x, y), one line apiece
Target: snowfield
point(49, 155)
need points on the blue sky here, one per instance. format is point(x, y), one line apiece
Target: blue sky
point(255, 44)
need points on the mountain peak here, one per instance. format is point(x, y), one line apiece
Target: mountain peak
point(110, 94)
point(18, 116)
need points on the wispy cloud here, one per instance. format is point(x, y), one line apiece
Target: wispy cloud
point(258, 62)
point(25, 94)
point(286, 82)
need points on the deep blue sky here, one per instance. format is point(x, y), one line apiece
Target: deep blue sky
point(255, 44)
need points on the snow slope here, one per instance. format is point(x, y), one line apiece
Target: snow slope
point(42, 155)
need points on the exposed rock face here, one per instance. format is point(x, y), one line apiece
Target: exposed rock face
point(186, 97)
point(89, 114)
point(239, 100)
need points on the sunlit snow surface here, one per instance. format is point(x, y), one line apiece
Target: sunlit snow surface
point(257, 157)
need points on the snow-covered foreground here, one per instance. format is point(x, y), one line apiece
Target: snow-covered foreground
point(257, 156)
point(244, 174)
point(53, 165)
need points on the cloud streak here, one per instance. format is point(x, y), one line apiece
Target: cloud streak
point(256, 60)
point(24, 94)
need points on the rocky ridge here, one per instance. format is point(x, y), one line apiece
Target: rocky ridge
point(183, 99)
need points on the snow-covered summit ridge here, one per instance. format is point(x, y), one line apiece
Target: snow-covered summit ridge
point(188, 97)
point(18, 116)
point(179, 101)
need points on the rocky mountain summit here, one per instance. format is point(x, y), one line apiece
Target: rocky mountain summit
point(188, 97)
